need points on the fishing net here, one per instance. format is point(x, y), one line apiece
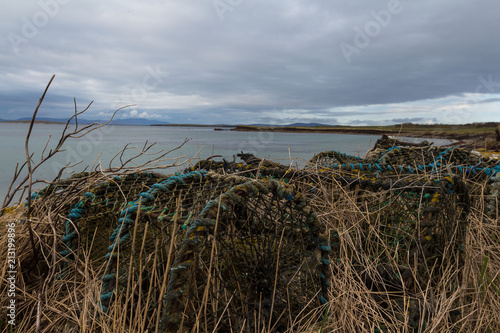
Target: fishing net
point(79, 208)
point(399, 229)
point(401, 239)
point(334, 157)
point(148, 225)
point(70, 222)
point(97, 211)
point(418, 215)
point(386, 142)
point(122, 223)
point(251, 166)
point(406, 160)
point(254, 258)
point(418, 221)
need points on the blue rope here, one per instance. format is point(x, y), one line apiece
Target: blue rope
point(122, 232)
point(472, 168)
point(441, 154)
point(434, 166)
point(71, 232)
point(388, 150)
point(409, 169)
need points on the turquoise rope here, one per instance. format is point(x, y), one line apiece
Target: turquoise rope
point(474, 170)
point(75, 214)
point(122, 232)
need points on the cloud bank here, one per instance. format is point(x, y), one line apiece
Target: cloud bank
point(241, 61)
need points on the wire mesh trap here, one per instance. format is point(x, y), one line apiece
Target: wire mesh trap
point(254, 258)
point(399, 229)
point(400, 240)
point(150, 223)
point(419, 159)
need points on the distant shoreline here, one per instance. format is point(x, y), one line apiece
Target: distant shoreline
point(29, 121)
point(466, 135)
point(469, 136)
point(195, 125)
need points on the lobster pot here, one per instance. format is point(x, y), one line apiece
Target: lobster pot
point(398, 239)
point(255, 255)
point(94, 217)
point(148, 230)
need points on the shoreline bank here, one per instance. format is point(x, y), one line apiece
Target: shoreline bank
point(467, 139)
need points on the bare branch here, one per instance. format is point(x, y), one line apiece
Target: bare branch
point(126, 164)
point(28, 157)
point(76, 115)
point(46, 144)
point(77, 133)
point(30, 171)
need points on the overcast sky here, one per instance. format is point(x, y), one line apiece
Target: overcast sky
point(254, 61)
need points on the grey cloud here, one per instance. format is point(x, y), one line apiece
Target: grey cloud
point(485, 101)
point(262, 56)
point(392, 121)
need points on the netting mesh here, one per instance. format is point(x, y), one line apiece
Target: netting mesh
point(403, 236)
point(147, 226)
point(97, 212)
point(402, 159)
point(254, 253)
point(402, 227)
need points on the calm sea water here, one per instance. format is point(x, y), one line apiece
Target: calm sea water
point(99, 147)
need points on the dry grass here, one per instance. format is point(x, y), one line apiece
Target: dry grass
point(462, 293)
point(461, 290)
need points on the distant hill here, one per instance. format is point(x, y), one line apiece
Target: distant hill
point(147, 122)
point(193, 125)
point(308, 125)
point(136, 121)
point(129, 121)
point(293, 125)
